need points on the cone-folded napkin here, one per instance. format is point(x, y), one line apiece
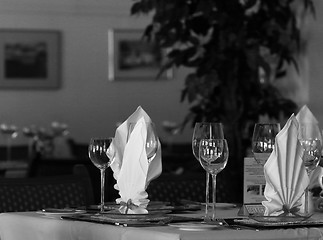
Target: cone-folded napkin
point(130, 168)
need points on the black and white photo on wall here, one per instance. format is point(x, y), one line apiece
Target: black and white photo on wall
point(30, 59)
point(130, 57)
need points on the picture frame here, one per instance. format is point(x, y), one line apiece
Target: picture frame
point(131, 58)
point(30, 59)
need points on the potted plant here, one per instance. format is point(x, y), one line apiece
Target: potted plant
point(238, 50)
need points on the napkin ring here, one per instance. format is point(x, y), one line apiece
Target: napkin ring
point(129, 205)
point(290, 211)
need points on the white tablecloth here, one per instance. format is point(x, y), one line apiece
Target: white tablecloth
point(33, 226)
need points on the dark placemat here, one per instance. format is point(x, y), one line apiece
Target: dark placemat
point(131, 221)
point(275, 224)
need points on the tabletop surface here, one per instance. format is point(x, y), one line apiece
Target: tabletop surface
point(34, 226)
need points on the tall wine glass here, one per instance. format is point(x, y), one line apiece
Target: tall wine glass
point(214, 155)
point(11, 132)
point(151, 144)
point(205, 130)
point(311, 140)
point(263, 140)
point(31, 134)
point(98, 154)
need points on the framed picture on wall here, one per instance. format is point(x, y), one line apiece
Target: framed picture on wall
point(130, 57)
point(30, 59)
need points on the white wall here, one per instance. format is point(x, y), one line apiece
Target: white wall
point(87, 101)
point(316, 63)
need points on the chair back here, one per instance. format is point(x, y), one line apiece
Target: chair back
point(35, 193)
point(18, 152)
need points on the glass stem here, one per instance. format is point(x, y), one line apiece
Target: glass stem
point(9, 148)
point(102, 171)
point(213, 196)
point(306, 201)
point(207, 197)
point(30, 149)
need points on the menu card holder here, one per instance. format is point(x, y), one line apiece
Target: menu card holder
point(252, 210)
point(253, 188)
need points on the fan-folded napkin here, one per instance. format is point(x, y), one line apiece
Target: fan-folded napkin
point(130, 168)
point(285, 173)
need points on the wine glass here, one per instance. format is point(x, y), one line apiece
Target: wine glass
point(205, 130)
point(98, 154)
point(11, 132)
point(31, 134)
point(151, 145)
point(214, 155)
point(263, 140)
point(310, 139)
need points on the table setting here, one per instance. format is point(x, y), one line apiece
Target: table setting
point(135, 156)
point(290, 159)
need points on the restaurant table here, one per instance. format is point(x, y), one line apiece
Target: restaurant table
point(34, 226)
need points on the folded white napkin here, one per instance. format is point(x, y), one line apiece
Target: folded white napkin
point(305, 116)
point(285, 174)
point(130, 168)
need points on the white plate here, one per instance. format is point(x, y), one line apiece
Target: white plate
point(131, 218)
point(118, 215)
point(59, 212)
point(153, 205)
point(194, 226)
